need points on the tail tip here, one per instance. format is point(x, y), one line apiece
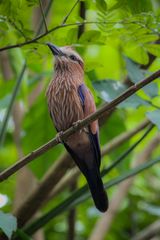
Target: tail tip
point(103, 208)
point(102, 205)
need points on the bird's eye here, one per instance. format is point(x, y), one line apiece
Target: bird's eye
point(72, 57)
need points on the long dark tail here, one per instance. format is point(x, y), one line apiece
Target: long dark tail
point(97, 190)
point(92, 174)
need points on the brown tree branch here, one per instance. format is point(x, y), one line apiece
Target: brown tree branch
point(55, 177)
point(149, 232)
point(109, 147)
point(103, 225)
point(36, 198)
point(34, 40)
point(107, 107)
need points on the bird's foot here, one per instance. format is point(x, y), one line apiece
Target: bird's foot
point(59, 137)
point(75, 124)
point(85, 129)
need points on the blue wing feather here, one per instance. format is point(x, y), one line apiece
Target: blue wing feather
point(93, 137)
point(81, 93)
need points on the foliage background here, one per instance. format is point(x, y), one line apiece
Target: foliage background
point(119, 42)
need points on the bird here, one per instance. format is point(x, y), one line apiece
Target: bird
point(69, 101)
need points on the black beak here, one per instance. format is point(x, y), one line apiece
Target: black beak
point(55, 50)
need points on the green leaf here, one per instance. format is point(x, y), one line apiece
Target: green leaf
point(110, 89)
point(151, 90)
point(32, 2)
point(153, 49)
point(133, 101)
point(137, 52)
point(12, 99)
point(147, 38)
point(3, 26)
point(134, 72)
point(91, 36)
point(4, 102)
point(101, 5)
point(91, 65)
point(154, 117)
point(22, 235)
point(8, 223)
point(72, 36)
point(151, 209)
point(137, 6)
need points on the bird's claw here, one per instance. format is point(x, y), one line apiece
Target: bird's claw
point(59, 137)
point(75, 124)
point(85, 130)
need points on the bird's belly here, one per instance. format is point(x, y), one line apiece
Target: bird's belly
point(66, 110)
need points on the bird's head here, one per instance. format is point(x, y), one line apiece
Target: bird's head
point(66, 58)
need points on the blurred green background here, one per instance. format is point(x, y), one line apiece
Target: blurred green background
point(119, 42)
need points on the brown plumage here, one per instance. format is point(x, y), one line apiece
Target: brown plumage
point(69, 100)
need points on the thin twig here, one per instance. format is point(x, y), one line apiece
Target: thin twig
point(15, 91)
point(107, 107)
point(67, 16)
point(17, 28)
point(46, 11)
point(35, 40)
point(43, 16)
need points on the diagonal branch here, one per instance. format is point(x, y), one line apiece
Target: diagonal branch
point(34, 40)
point(68, 178)
point(26, 211)
point(52, 143)
point(54, 178)
point(149, 232)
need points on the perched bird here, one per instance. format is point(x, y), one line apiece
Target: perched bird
point(69, 100)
